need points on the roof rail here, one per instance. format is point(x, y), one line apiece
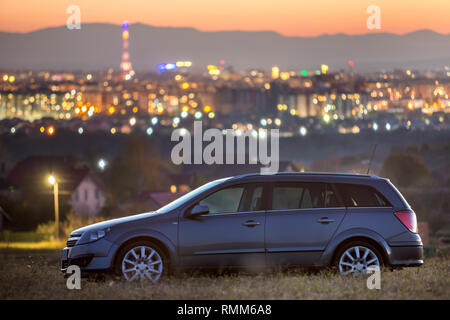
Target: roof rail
point(356, 175)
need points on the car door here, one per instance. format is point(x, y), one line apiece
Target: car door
point(231, 234)
point(301, 221)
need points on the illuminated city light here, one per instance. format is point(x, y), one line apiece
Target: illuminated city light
point(42, 129)
point(13, 130)
point(207, 109)
point(101, 164)
point(303, 131)
point(50, 130)
point(275, 72)
point(214, 72)
point(132, 121)
point(163, 67)
point(184, 114)
point(185, 64)
point(304, 73)
point(185, 85)
point(125, 65)
point(149, 131)
point(324, 68)
point(198, 115)
point(263, 122)
point(285, 76)
point(154, 121)
point(80, 130)
point(113, 130)
point(176, 120)
point(51, 180)
point(5, 77)
point(326, 118)
point(211, 115)
point(375, 126)
point(388, 126)
point(262, 133)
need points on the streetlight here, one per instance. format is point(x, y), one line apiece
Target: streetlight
point(101, 164)
point(54, 183)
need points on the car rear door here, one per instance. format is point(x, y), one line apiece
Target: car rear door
point(232, 234)
point(302, 219)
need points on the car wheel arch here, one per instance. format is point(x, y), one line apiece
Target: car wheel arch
point(158, 242)
point(373, 242)
point(356, 234)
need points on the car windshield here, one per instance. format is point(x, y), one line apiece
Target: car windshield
point(181, 200)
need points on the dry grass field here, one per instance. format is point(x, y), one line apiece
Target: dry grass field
point(34, 274)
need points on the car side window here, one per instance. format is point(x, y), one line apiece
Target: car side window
point(303, 196)
point(241, 198)
point(356, 195)
point(252, 198)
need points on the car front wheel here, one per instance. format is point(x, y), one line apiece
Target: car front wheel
point(141, 261)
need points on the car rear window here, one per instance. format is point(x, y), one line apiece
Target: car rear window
point(357, 195)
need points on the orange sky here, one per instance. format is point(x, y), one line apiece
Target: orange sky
point(289, 17)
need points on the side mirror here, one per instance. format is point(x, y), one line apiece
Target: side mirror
point(197, 210)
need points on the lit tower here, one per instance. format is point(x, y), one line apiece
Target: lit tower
point(126, 64)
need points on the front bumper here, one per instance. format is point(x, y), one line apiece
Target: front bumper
point(98, 255)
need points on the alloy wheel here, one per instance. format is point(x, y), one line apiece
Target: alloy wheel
point(355, 260)
point(142, 263)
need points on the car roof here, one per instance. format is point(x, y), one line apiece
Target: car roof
point(306, 174)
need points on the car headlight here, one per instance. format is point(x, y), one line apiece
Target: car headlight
point(94, 235)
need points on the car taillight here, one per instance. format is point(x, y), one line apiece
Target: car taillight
point(408, 218)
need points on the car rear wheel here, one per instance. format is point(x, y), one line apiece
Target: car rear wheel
point(356, 257)
point(142, 261)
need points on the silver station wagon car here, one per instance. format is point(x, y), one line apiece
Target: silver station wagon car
point(287, 219)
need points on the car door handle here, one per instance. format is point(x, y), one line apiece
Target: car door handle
point(251, 223)
point(325, 220)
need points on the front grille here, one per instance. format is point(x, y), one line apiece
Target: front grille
point(71, 242)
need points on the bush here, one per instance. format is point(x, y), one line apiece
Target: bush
point(9, 236)
point(72, 222)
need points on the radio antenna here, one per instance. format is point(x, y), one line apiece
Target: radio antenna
point(371, 158)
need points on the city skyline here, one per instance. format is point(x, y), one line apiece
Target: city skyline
point(289, 18)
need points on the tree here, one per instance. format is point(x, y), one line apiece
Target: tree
point(138, 167)
point(404, 169)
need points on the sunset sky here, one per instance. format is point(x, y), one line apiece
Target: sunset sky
point(288, 17)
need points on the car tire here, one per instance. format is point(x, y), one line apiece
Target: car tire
point(142, 260)
point(364, 254)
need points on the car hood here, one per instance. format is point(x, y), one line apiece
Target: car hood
point(113, 222)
